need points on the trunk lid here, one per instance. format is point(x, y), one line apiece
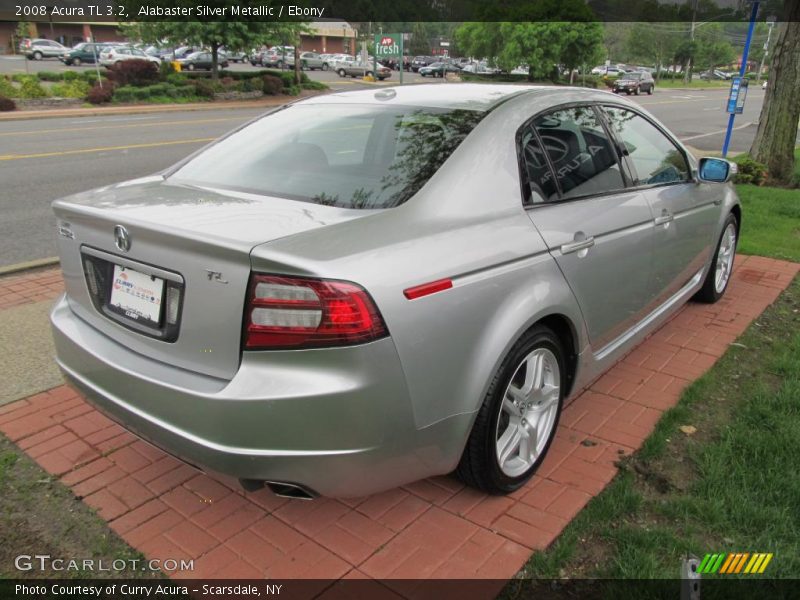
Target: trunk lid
point(197, 241)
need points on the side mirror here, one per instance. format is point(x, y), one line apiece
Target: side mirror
point(716, 170)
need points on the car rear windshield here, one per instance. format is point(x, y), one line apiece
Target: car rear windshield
point(349, 156)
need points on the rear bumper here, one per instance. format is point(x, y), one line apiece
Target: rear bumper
point(338, 421)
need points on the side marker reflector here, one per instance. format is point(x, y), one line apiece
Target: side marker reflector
point(426, 289)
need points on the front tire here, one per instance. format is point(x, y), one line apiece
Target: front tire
point(324, 66)
point(719, 274)
point(37, 56)
point(518, 418)
point(342, 73)
point(76, 62)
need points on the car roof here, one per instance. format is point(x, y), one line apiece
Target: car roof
point(472, 96)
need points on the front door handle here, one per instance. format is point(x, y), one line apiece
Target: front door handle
point(665, 218)
point(577, 246)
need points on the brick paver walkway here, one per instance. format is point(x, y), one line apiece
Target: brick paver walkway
point(432, 528)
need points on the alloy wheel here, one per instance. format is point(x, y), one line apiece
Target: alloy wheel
point(727, 247)
point(528, 412)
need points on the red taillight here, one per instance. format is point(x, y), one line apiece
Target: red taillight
point(296, 312)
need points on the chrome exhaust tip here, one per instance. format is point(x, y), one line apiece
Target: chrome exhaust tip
point(290, 490)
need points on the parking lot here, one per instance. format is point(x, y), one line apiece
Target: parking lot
point(67, 155)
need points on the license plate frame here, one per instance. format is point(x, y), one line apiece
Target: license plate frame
point(136, 297)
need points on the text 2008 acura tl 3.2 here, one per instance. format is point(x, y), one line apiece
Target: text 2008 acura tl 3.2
point(362, 289)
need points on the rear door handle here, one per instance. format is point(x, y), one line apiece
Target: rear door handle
point(664, 218)
point(577, 246)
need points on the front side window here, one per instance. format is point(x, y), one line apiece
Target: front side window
point(583, 157)
point(351, 156)
point(655, 158)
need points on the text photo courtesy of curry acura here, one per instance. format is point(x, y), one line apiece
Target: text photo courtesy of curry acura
point(362, 289)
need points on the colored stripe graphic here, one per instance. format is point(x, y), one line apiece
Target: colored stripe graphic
point(734, 563)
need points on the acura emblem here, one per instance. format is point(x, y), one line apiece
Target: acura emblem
point(122, 238)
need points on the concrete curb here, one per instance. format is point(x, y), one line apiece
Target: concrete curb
point(134, 109)
point(29, 265)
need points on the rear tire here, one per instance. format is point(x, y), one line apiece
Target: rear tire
point(342, 73)
point(480, 465)
point(37, 56)
point(650, 90)
point(324, 66)
point(721, 269)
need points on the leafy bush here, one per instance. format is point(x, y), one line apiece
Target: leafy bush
point(159, 92)
point(204, 88)
point(70, 76)
point(292, 90)
point(177, 79)
point(750, 171)
point(73, 89)
point(31, 88)
point(251, 85)
point(166, 69)
point(100, 95)
point(6, 104)
point(271, 85)
point(137, 72)
point(49, 76)
point(6, 88)
point(314, 85)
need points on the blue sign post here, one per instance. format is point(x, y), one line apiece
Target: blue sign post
point(738, 91)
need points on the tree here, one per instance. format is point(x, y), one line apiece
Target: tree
point(654, 43)
point(777, 128)
point(539, 45)
point(233, 35)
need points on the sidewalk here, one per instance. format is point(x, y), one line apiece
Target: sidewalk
point(435, 528)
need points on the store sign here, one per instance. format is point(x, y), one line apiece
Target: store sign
point(388, 45)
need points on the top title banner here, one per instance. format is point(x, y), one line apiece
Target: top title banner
point(395, 11)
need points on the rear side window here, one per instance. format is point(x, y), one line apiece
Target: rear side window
point(538, 177)
point(655, 158)
point(351, 156)
point(583, 157)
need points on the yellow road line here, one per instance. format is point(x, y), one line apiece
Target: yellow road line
point(188, 122)
point(104, 149)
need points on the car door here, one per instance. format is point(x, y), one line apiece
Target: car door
point(599, 232)
point(685, 212)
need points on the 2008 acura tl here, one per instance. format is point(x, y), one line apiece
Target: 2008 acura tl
point(362, 289)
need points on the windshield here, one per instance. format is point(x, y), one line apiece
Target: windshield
point(350, 156)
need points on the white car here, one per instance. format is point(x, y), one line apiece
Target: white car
point(114, 55)
point(764, 85)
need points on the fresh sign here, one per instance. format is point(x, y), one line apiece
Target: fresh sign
point(388, 45)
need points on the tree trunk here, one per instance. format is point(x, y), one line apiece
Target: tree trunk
point(214, 61)
point(777, 128)
point(297, 62)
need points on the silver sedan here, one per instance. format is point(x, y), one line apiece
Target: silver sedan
point(363, 289)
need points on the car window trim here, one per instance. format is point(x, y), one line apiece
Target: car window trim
point(526, 187)
point(618, 142)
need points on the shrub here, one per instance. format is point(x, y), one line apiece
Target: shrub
point(159, 92)
point(72, 89)
point(166, 69)
point(49, 76)
point(751, 172)
point(70, 76)
point(292, 90)
point(271, 85)
point(204, 88)
point(251, 85)
point(31, 88)
point(314, 85)
point(177, 79)
point(137, 72)
point(6, 88)
point(6, 104)
point(100, 95)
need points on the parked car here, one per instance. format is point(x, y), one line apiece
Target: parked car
point(437, 69)
point(359, 69)
point(86, 52)
point(634, 83)
point(202, 61)
point(310, 61)
point(715, 74)
point(38, 49)
point(278, 56)
point(611, 70)
point(421, 61)
point(113, 55)
point(764, 85)
point(237, 56)
point(180, 53)
point(333, 300)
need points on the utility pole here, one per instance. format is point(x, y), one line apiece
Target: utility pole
point(771, 23)
point(691, 39)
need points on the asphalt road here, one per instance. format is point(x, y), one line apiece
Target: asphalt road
point(41, 160)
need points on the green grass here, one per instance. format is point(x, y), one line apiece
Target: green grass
point(770, 221)
point(733, 486)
